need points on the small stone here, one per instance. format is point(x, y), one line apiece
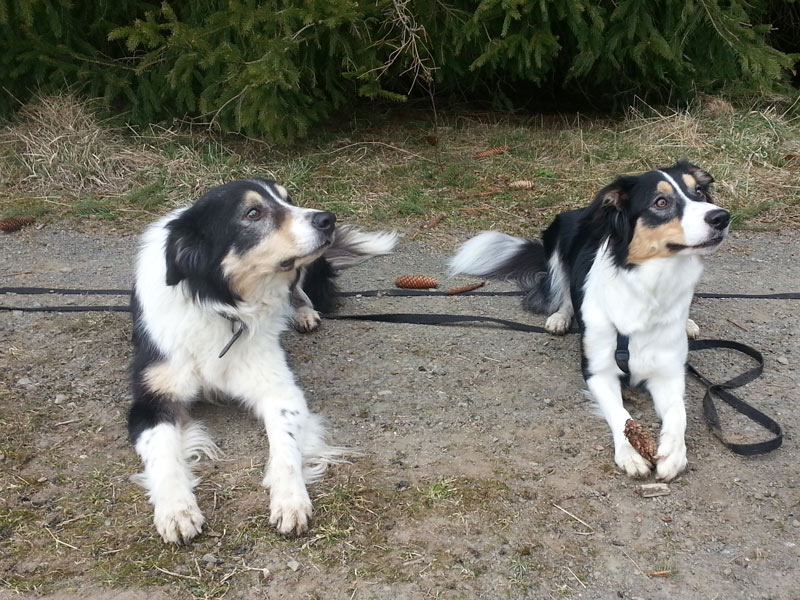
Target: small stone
point(209, 559)
point(783, 360)
point(2, 457)
point(23, 381)
point(795, 523)
point(727, 572)
point(651, 490)
point(66, 269)
point(385, 393)
point(41, 480)
point(293, 565)
point(59, 398)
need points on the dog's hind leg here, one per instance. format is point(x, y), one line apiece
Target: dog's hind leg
point(559, 296)
point(306, 319)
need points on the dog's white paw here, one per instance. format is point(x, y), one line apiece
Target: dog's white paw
point(557, 323)
point(179, 521)
point(290, 513)
point(306, 319)
point(671, 457)
point(692, 329)
point(630, 461)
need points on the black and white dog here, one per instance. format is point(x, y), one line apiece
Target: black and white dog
point(216, 283)
point(627, 264)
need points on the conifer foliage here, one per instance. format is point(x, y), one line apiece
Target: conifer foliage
point(278, 67)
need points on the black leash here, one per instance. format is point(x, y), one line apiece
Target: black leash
point(719, 390)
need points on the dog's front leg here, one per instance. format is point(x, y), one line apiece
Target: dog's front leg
point(667, 391)
point(285, 419)
point(603, 381)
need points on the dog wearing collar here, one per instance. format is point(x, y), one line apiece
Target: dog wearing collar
point(215, 285)
point(625, 266)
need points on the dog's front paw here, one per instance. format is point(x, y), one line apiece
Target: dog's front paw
point(306, 319)
point(290, 513)
point(692, 329)
point(630, 461)
point(178, 522)
point(557, 323)
point(671, 457)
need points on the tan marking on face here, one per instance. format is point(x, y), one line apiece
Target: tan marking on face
point(665, 188)
point(246, 272)
point(651, 242)
point(690, 182)
point(282, 191)
point(177, 383)
point(253, 198)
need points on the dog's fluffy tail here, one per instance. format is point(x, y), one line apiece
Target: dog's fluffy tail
point(500, 256)
point(350, 247)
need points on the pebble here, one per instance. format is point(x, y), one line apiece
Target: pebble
point(209, 559)
point(23, 381)
point(783, 360)
point(795, 523)
point(293, 565)
point(59, 398)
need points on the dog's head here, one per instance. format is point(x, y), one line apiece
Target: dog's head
point(662, 213)
point(240, 236)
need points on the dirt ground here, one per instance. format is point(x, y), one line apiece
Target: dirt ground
point(483, 473)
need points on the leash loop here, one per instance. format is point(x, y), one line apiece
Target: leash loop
point(720, 390)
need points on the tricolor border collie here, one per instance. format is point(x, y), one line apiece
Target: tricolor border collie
point(626, 265)
point(215, 285)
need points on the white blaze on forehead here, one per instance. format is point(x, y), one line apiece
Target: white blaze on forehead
point(677, 188)
point(695, 228)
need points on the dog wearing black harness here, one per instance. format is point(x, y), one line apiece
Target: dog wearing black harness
point(625, 267)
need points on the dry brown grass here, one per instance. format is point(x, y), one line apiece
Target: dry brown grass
point(402, 169)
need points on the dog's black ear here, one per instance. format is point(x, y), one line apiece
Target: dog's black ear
point(185, 255)
point(610, 205)
point(615, 196)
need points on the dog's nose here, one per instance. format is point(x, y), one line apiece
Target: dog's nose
point(324, 221)
point(718, 218)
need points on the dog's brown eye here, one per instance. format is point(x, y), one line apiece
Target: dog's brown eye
point(661, 202)
point(699, 192)
point(254, 214)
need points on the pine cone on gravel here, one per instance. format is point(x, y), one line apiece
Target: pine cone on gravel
point(641, 440)
point(15, 223)
point(416, 282)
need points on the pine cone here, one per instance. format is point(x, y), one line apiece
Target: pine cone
point(416, 282)
point(522, 184)
point(640, 439)
point(465, 288)
point(15, 223)
point(492, 151)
